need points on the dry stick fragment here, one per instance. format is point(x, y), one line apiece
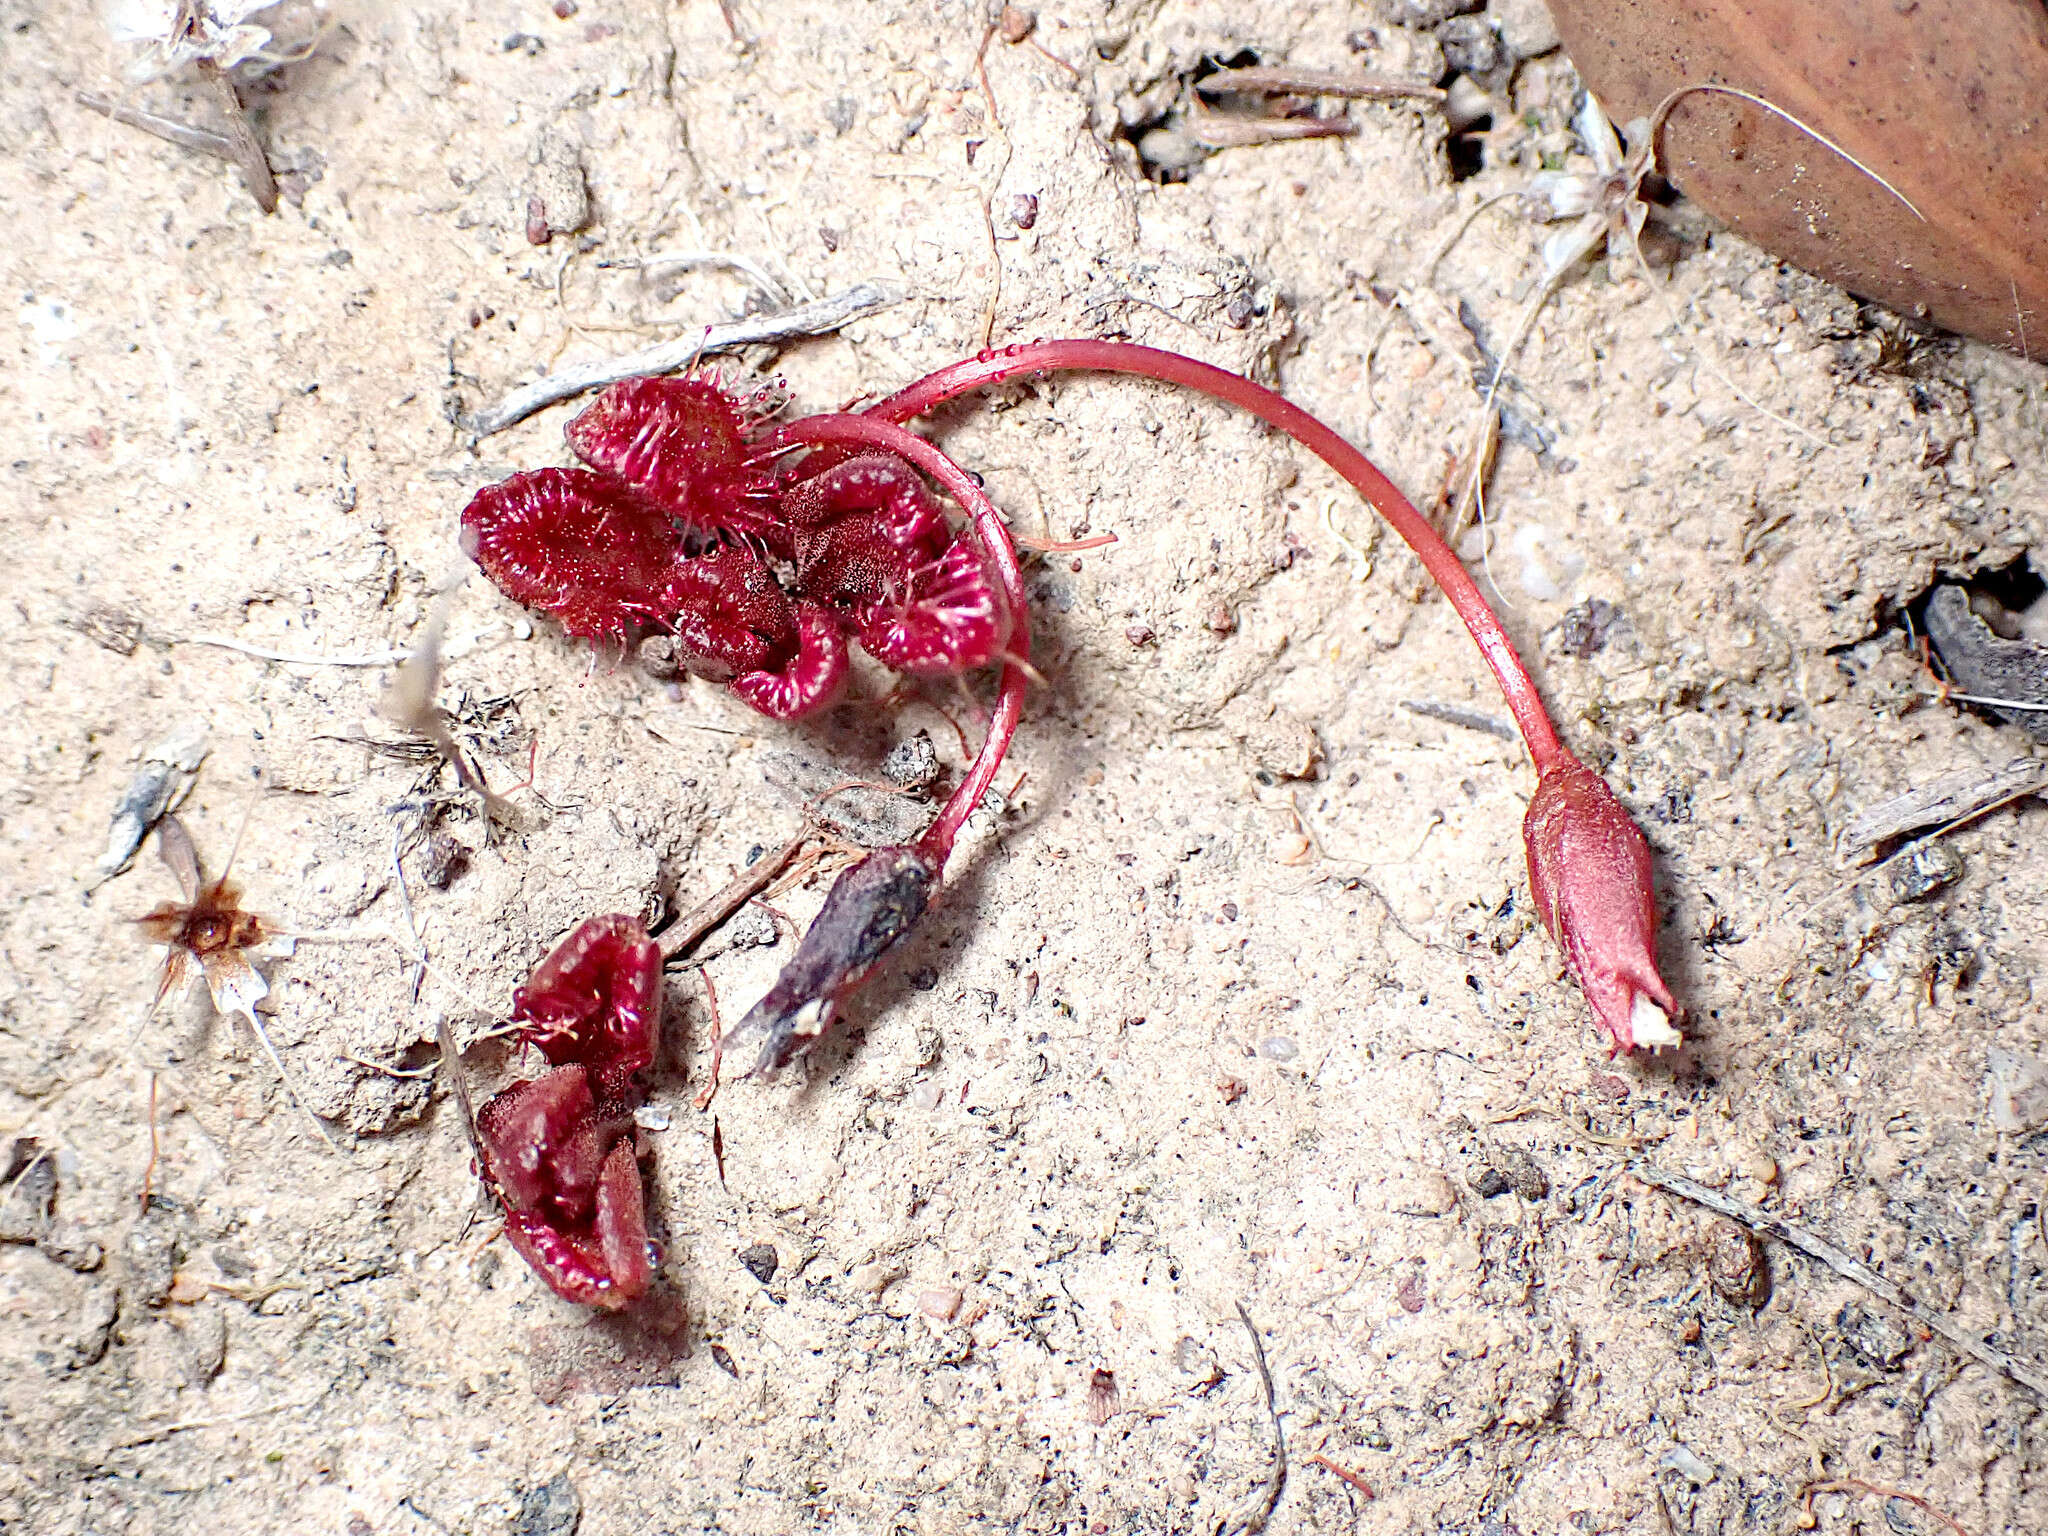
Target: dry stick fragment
point(1276, 1480)
point(149, 1168)
point(1215, 130)
point(682, 936)
point(1907, 850)
point(1286, 80)
point(248, 154)
point(294, 659)
point(666, 357)
point(1943, 800)
point(1845, 1265)
point(988, 217)
point(1857, 1485)
point(165, 1431)
point(202, 141)
point(710, 1089)
point(1343, 1473)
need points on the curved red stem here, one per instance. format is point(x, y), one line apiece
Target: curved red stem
point(994, 536)
point(1364, 476)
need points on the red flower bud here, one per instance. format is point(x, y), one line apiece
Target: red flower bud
point(1590, 870)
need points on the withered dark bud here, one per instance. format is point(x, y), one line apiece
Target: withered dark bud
point(866, 914)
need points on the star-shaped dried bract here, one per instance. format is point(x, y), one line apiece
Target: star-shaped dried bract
point(212, 934)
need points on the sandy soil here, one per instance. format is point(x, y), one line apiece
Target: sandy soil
point(1238, 1004)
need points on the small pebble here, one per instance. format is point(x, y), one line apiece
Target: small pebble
point(1925, 870)
point(1293, 848)
point(761, 1261)
point(913, 762)
point(1736, 1265)
point(651, 1117)
point(1278, 1048)
point(942, 1305)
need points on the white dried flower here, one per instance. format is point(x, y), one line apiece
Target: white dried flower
point(167, 35)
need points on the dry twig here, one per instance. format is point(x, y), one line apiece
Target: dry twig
point(1857, 1485)
point(684, 934)
point(1848, 1267)
point(805, 320)
point(1276, 1481)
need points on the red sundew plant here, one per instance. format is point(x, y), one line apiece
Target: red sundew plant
point(558, 1151)
point(694, 520)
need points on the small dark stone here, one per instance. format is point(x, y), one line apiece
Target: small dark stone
point(1024, 210)
point(1525, 1175)
point(924, 978)
point(1427, 13)
point(761, 1261)
point(1876, 1338)
point(443, 861)
point(660, 657)
point(1584, 630)
point(1413, 1292)
point(913, 762)
point(1925, 870)
point(151, 1254)
point(726, 1363)
point(1489, 1182)
point(68, 1243)
point(1737, 1267)
point(1509, 1168)
point(1470, 45)
point(842, 112)
point(96, 1318)
point(555, 1509)
point(30, 1190)
point(203, 1344)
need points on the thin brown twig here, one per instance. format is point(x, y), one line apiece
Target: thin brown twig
point(710, 1089)
point(203, 141)
point(1288, 80)
point(687, 931)
point(451, 1058)
point(149, 1168)
point(1276, 1480)
point(1857, 1485)
point(666, 357)
point(1848, 1267)
point(988, 216)
point(1344, 1473)
point(165, 1431)
point(248, 153)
